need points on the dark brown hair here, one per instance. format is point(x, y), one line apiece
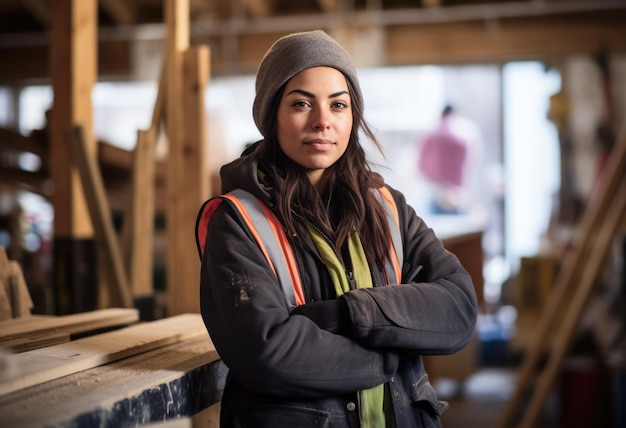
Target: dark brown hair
point(348, 201)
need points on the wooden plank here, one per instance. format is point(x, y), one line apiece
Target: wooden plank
point(71, 324)
point(173, 381)
point(7, 324)
point(95, 193)
point(36, 341)
point(42, 365)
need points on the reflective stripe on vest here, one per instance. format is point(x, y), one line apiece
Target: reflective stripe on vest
point(263, 224)
point(393, 269)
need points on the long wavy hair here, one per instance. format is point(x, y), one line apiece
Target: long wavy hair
point(348, 202)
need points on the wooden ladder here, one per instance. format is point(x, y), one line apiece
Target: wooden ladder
point(564, 308)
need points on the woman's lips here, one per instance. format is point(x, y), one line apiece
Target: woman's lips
point(320, 144)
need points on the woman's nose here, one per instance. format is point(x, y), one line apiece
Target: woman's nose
point(321, 120)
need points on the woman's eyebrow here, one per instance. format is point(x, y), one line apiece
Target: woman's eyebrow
point(310, 95)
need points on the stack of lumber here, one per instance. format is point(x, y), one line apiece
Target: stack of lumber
point(137, 374)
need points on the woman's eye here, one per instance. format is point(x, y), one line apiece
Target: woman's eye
point(340, 105)
point(300, 104)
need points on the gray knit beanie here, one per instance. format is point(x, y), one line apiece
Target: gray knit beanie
point(290, 55)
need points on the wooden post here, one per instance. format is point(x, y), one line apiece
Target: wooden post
point(177, 24)
point(187, 172)
point(194, 179)
point(73, 69)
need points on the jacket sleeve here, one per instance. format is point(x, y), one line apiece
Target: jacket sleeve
point(268, 350)
point(433, 313)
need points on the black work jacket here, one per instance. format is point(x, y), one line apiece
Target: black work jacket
point(287, 370)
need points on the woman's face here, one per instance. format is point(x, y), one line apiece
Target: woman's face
point(315, 120)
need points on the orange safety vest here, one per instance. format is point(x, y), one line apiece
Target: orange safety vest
point(272, 240)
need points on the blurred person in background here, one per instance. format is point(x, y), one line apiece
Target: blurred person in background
point(448, 160)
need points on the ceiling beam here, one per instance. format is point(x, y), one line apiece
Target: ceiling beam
point(408, 38)
point(382, 18)
point(513, 39)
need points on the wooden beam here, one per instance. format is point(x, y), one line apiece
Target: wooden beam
point(122, 11)
point(35, 182)
point(11, 140)
point(177, 22)
point(73, 74)
point(28, 63)
point(194, 177)
point(503, 40)
point(424, 41)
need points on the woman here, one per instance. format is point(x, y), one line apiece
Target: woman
point(349, 354)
